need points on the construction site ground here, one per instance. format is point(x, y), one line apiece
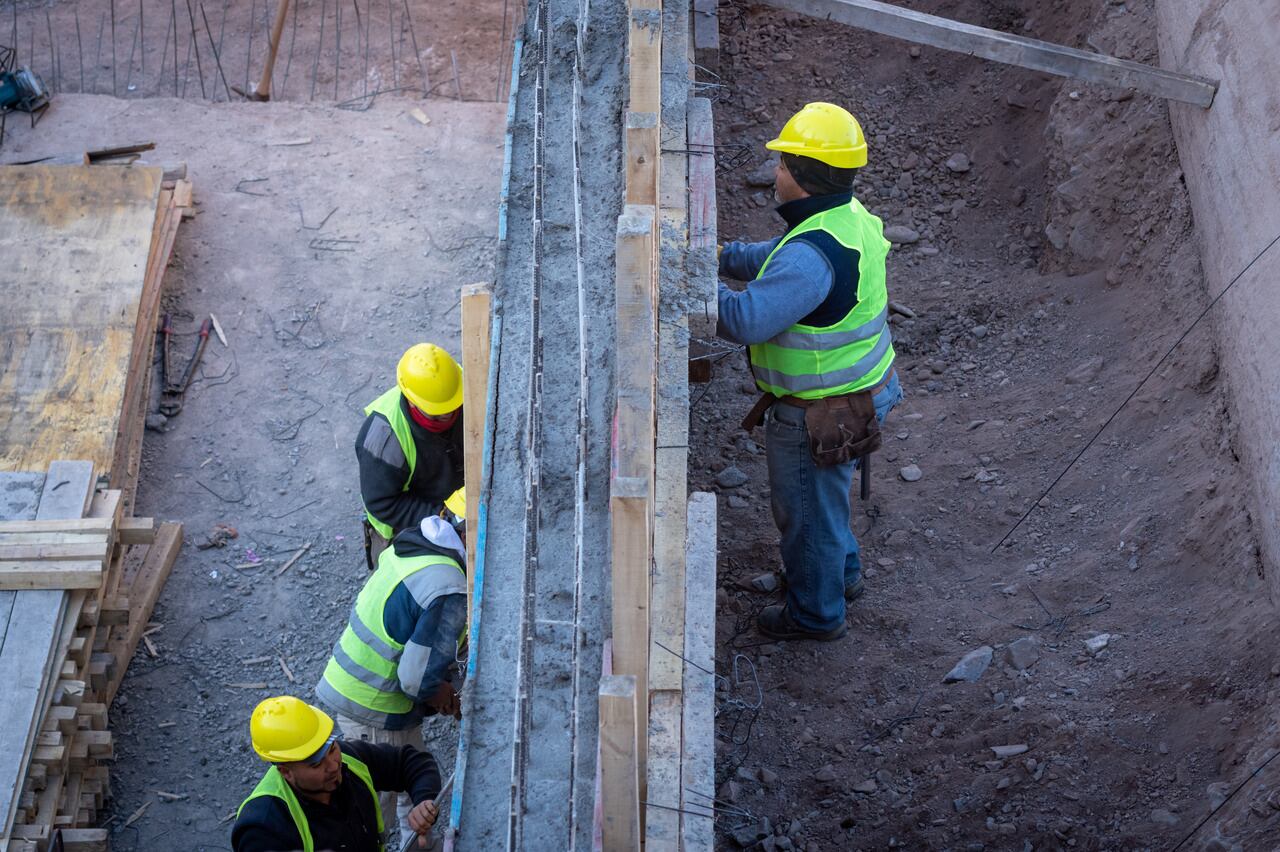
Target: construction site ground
point(326, 242)
point(1051, 272)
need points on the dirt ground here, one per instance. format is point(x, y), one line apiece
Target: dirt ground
point(325, 242)
point(330, 50)
point(1051, 267)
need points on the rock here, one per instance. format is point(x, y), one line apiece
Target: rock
point(1007, 751)
point(1022, 653)
point(1160, 816)
point(1218, 792)
point(979, 331)
point(868, 786)
point(732, 477)
point(971, 666)
point(767, 776)
point(1019, 196)
point(826, 774)
point(730, 791)
point(1085, 372)
point(959, 163)
point(904, 181)
point(747, 836)
point(763, 175)
point(911, 473)
point(746, 774)
point(1097, 643)
point(156, 422)
point(736, 502)
point(901, 234)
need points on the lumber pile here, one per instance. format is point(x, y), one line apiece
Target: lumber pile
point(78, 581)
point(86, 248)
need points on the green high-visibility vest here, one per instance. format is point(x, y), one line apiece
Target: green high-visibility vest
point(273, 784)
point(388, 405)
point(854, 354)
point(362, 679)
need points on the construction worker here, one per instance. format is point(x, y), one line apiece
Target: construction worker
point(394, 661)
point(321, 792)
point(410, 446)
point(814, 318)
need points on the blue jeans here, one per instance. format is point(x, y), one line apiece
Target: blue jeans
point(812, 510)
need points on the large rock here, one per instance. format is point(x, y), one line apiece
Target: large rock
point(1023, 653)
point(959, 163)
point(901, 234)
point(763, 175)
point(731, 477)
point(971, 666)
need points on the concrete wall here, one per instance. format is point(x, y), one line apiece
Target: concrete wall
point(1231, 157)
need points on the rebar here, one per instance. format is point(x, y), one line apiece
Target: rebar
point(417, 54)
point(364, 83)
point(293, 37)
point(337, 54)
point(391, 40)
point(457, 81)
point(79, 48)
point(133, 46)
point(216, 58)
point(164, 57)
point(248, 53)
point(114, 88)
point(53, 60)
point(173, 7)
point(199, 68)
point(142, 40)
point(97, 59)
point(315, 68)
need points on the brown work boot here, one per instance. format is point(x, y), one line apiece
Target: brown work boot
point(776, 623)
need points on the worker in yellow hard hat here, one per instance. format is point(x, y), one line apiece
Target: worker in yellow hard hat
point(410, 446)
point(814, 317)
point(322, 792)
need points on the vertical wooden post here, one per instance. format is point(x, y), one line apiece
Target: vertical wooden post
point(476, 305)
point(619, 774)
point(632, 542)
point(642, 158)
point(644, 52)
point(262, 92)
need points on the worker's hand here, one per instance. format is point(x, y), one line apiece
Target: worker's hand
point(445, 701)
point(421, 818)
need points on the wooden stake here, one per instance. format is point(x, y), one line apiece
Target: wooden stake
point(262, 92)
point(619, 775)
point(476, 307)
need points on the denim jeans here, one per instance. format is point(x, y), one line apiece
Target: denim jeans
point(811, 506)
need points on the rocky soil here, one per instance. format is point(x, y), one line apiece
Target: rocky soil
point(1118, 675)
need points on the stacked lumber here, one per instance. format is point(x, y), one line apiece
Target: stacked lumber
point(78, 581)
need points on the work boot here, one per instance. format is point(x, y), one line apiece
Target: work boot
point(854, 590)
point(775, 622)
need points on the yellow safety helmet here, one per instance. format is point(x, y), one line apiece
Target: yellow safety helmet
point(285, 729)
point(457, 503)
point(430, 378)
point(824, 132)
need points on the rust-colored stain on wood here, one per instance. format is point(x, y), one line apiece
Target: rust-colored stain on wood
point(74, 242)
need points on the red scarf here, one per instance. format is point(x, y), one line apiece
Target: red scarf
point(436, 426)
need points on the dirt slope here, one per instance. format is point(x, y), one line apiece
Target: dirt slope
point(1048, 278)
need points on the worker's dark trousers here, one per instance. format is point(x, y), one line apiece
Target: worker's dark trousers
point(811, 506)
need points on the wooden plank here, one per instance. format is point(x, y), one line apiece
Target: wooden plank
point(477, 304)
point(619, 775)
point(54, 540)
point(80, 551)
point(642, 158)
point(143, 593)
point(644, 51)
point(671, 487)
point(702, 176)
point(75, 242)
point(1011, 49)
point(661, 819)
point(76, 526)
point(698, 763)
point(31, 642)
point(636, 344)
point(632, 554)
point(136, 530)
point(16, 576)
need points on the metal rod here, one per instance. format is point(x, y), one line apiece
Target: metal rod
point(457, 81)
point(199, 68)
point(417, 54)
point(164, 57)
point(216, 58)
point(391, 40)
point(114, 90)
point(368, 29)
point(293, 37)
point(97, 60)
point(142, 40)
point(133, 45)
point(315, 68)
point(222, 25)
point(79, 47)
point(337, 54)
point(173, 6)
point(359, 40)
point(186, 66)
point(53, 60)
point(502, 54)
point(248, 54)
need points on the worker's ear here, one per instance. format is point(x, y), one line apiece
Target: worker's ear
point(286, 771)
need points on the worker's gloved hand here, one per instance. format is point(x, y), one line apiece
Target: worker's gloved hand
point(421, 818)
point(445, 701)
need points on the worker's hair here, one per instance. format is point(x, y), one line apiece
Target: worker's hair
point(816, 177)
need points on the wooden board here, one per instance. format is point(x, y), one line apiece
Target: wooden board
point(75, 242)
point(477, 303)
point(34, 630)
point(144, 591)
point(619, 779)
point(50, 575)
point(644, 53)
point(642, 158)
point(1008, 48)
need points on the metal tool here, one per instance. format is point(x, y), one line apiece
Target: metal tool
point(21, 89)
point(171, 396)
point(410, 843)
point(864, 485)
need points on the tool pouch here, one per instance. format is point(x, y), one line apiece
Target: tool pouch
point(841, 428)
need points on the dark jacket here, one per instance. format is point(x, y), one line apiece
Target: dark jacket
point(384, 469)
point(349, 822)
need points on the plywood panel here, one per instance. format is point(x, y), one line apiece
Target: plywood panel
point(75, 241)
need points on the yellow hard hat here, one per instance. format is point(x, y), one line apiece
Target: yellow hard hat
point(824, 132)
point(430, 378)
point(285, 729)
point(457, 503)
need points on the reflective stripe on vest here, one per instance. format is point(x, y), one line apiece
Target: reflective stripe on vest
point(273, 784)
point(361, 679)
point(855, 353)
point(388, 405)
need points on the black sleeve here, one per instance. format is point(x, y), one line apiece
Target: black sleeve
point(383, 473)
point(403, 769)
point(265, 826)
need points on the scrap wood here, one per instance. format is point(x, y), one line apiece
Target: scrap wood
point(217, 329)
point(294, 558)
point(285, 668)
point(256, 685)
point(136, 815)
point(171, 797)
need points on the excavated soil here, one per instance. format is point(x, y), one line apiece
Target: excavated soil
point(1047, 279)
